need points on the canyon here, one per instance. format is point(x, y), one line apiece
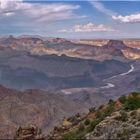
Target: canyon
point(44, 80)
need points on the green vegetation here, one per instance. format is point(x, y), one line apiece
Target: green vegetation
point(124, 116)
point(101, 106)
point(81, 127)
point(77, 134)
point(133, 102)
point(110, 101)
point(93, 125)
point(110, 108)
point(80, 132)
point(122, 99)
point(87, 122)
point(92, 109)
point(135, 94)
point(70, 136)
point(101, 114)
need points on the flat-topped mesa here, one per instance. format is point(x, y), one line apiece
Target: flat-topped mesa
point(116, 44)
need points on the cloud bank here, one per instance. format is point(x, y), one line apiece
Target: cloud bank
point(26, 16)
point(90, 27)
point(133, 18)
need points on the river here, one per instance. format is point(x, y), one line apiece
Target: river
point(110, 85)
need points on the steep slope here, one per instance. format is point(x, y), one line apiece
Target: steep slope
point(116, 120)
point(54, 72)
point(118, 126)
point(84, 51)
point(129, 48)
point(87, 49)
point(33, 107)
point(58, 46)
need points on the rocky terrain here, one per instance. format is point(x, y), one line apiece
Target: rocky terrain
point(82, 80)
point(113, 128)
point(37, 107)
point(85, 49)
point(22, 70)
point(132, 43)
point(118, 119)
point(45, 80)
point(131, 50)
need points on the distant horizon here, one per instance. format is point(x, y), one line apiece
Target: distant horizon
point(37, 36)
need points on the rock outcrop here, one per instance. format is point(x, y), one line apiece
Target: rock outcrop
point(29, 133)
point(115, 128)
point(118, 119)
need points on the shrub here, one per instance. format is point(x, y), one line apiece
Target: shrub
point(71, 119)
point(93, 124)
point(124, 116)
point(92, 109)
point(74, 120)
point(69, 136)
point(109, 109)
point(81, 127)
point(101, 106)
point(87, 122)
point(135, 94)
point(77, 134)
point(110, 101)
point(99, 114)
point(132, 103)
point(122, 99)
point(77, 115)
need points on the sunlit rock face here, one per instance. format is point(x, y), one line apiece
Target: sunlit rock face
point(131, 53)
point(100, 49)
point(94, 42)
point(129, 48)
point(133, 43)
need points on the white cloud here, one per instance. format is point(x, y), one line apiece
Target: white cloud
point(100, 7)
point(133, 18)
point(25, 13)
point(90, 27)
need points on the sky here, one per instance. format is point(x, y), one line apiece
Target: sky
point(70, 19)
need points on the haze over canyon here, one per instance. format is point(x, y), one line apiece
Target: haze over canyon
point(41, 75)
